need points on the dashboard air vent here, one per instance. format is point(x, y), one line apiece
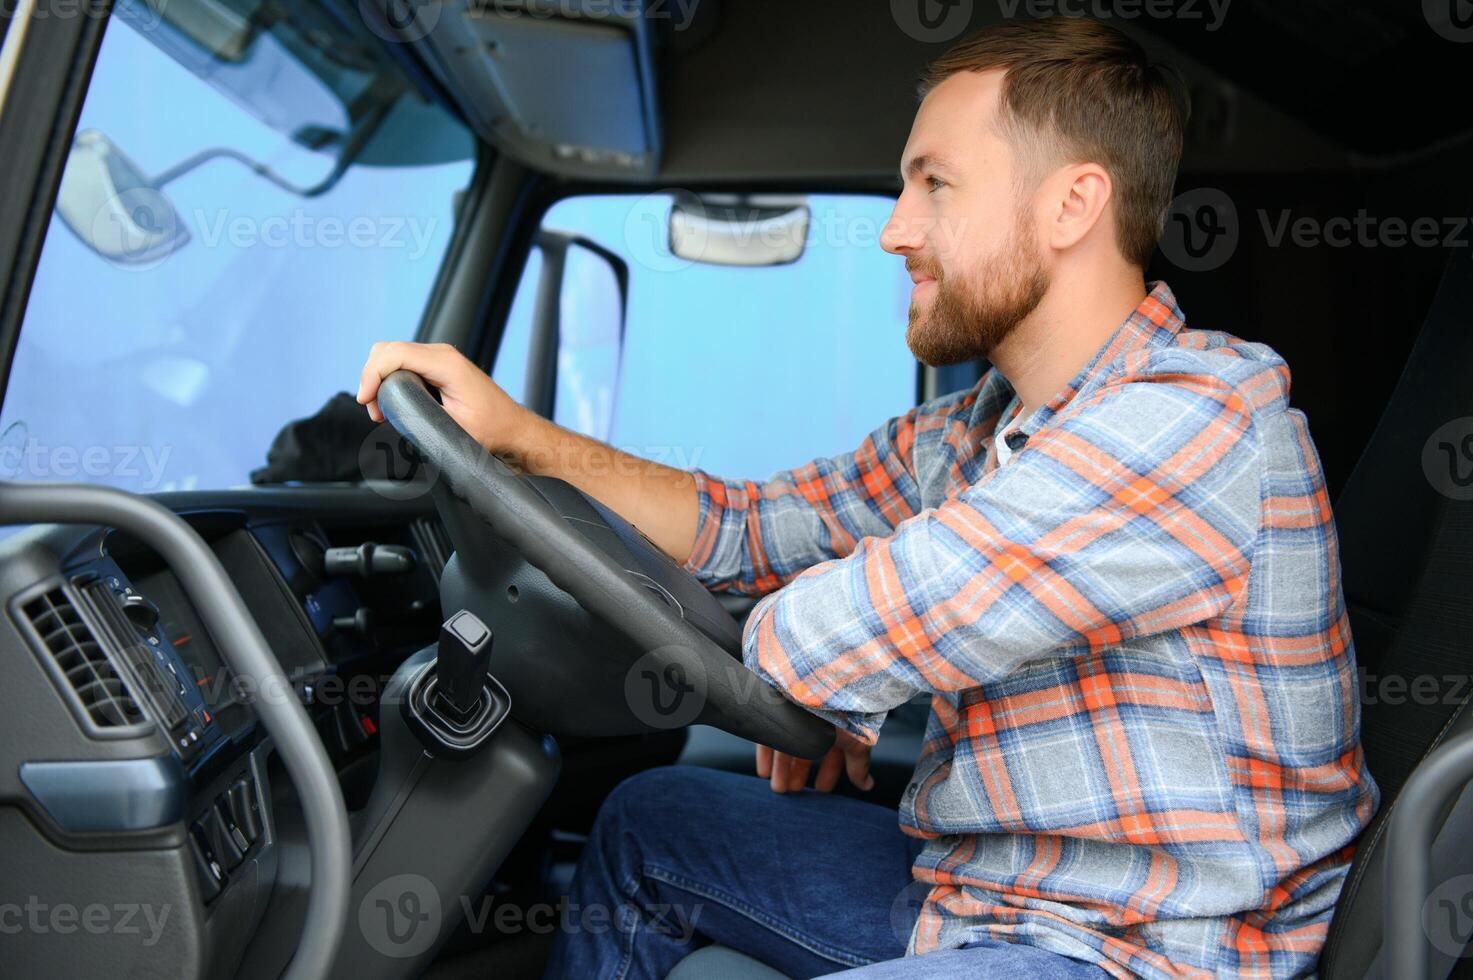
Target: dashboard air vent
point(79, 656)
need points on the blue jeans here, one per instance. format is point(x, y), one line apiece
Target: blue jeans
point(809, 883)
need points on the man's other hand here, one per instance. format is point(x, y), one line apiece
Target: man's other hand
point(790, 774)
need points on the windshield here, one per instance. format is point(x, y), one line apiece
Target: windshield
point(252, 199)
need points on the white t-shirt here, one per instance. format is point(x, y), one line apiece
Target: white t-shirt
point(999, 439)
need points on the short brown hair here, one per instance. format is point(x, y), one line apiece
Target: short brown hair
point(1081, 90)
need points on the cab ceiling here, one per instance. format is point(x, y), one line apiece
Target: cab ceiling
point(775, 90)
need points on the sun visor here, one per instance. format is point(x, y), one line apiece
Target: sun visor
point(566, 87)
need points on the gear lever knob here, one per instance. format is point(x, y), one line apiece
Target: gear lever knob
point(464, 656)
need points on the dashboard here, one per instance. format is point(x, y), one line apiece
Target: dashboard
point(174, 658)
point(134, 739)
point(323, 625)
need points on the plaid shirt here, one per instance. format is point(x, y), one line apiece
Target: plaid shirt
point(1143, 748)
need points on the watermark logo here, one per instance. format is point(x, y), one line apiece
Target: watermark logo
point(1451, 19)
point(1447, 459)
point(905, 911)
point(400, 916)
point(393, 467)
point(400, 20)
point(677, 13)
point(932, 21)
point(1447, 915)
point(1201, 231)
point(137, 229)
point(403, 916)
point(1211, 13)
point(647, 232)
point(666, 688)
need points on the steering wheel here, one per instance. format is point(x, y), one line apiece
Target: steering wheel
point(675, 644)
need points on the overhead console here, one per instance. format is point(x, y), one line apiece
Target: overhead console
point(565, 86)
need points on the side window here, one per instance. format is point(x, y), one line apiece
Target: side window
point(737, 370)
point(240, 217)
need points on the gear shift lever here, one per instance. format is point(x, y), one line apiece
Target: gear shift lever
point(453, 704)
point(460, 672)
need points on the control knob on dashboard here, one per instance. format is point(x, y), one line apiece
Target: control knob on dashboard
point(141, 611)
point(368, 559)
point(319, 562)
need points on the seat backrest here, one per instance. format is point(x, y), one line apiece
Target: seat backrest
point(1405, 521)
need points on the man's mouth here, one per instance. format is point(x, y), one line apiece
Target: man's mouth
point(918, 275)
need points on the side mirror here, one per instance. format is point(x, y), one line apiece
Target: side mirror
point(747, 230)
point(113, 207)
point(123, 215)
point(577, 333)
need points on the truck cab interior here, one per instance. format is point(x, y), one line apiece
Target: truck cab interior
point(287, 693)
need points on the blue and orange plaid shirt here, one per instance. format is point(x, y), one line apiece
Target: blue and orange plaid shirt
point(1144, 741)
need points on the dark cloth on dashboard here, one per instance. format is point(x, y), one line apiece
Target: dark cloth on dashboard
point(338, 444)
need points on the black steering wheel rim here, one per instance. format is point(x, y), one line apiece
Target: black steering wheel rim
point(731, 697)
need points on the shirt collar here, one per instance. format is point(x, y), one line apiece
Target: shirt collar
point(1154, 323)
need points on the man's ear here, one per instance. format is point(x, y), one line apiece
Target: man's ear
point(1078, 197)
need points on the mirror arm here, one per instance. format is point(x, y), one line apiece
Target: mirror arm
point(359, 136)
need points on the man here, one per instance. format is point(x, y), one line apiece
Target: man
point(1111, 565)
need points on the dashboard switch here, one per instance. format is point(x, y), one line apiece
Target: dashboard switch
point(244, 809)
point(227, 820)
point(350, 731)
point(221, 842)
point(211, 875)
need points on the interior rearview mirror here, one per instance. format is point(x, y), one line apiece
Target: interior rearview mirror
point(731, 229)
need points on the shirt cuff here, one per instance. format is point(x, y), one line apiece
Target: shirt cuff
point(865, 725)
point(711, 497)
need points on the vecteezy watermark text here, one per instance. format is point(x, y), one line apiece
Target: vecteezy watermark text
point(1210, 12)
point(36, 460)
point(1363, 229)
point(39, 917)
point(302, 230)
point(1203, 229)
point(402, 916)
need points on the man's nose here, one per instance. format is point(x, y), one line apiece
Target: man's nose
point(903, 233)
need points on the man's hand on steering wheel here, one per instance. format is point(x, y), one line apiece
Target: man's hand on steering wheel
point(659, 499)
point(790, 774)
point(469, 395)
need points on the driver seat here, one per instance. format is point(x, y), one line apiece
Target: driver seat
point(1406, 538)
point(720, 963)
point(1406, 535)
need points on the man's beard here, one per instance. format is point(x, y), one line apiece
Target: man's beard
point(961, 326)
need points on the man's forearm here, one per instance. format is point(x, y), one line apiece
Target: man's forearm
point(659, 500)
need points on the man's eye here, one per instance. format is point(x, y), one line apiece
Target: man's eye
point(935, 183)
